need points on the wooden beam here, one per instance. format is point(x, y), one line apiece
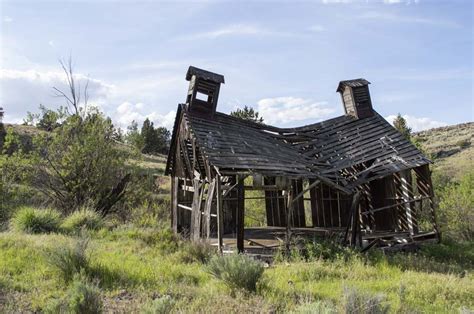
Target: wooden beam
point(289, 218)
point(240, 214)
point(196, 213)
point(174, 204)
point(301, 194)
point(207, 210)
point(220, 218)
point(355, 217)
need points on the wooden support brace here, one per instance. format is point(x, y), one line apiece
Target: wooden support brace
point(174, 204)
point(240, 214)
point(207, 211)
point(220, 216)
point(196, 211)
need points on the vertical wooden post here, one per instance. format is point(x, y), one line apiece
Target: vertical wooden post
point(407, 195)
point(289, 217)
point(196, 211)
point(314, 204)
point(240, 214)
point(174, 204)
point(207, 209)
point(424, 181)
point(355, 217)
point(220, 221)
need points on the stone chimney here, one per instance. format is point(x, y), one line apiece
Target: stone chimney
point(356, 98)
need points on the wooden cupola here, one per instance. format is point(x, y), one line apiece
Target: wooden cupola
point(203, 91)
point(356, 98)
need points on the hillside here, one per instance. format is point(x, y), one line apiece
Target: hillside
point(450, 148)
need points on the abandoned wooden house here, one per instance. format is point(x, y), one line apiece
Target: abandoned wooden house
point(353, 177)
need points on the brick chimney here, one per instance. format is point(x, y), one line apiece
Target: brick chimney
point(356, 98)
point(203, 91)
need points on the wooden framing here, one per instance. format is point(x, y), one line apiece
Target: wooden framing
point(365, 180)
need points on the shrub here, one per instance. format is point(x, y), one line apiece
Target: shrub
point(199, 252)
point(162, 305)
point(356, 302)
point(318, 307)
point(455, 206)
point(236, 271)
point(79, 164)
point(463, 143)
point(70, 259)
point(33, 220)
point(82, 219)
point(82, 297)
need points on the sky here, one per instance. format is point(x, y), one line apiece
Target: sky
point(283, 58)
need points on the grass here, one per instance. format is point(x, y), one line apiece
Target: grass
point(132, 272)
point(82, 219)
point(34, 220)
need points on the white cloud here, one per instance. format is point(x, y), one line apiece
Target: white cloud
point(7, 19)
point(389, 17)
point(292, 109)
point(128, 112)
point(238, 30)
point(51, 43)
point(418, 124)
point(22, 91)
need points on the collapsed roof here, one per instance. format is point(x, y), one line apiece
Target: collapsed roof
point(345, 151)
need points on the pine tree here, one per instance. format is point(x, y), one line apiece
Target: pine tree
point(401, 125)
point(248, 113)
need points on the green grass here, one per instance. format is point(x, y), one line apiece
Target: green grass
point(144, 264)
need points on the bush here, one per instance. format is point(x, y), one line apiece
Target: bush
point(162, 305)
point(33, 220)
point(318, 307)
point(236, 270)
point(455, 206)
point(463, 143)
point(199, 252)
point(356, 302)
point(82, 297)
point(79, 164)
point(82, 219)
point(70, 259)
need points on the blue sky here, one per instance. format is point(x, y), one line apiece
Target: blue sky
point(283, 58)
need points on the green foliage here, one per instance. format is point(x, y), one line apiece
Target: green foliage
point(401, 125)
point(82, 219)
point(70, 260)
point(316, 307)
point(34, 220)
point(316, 249)
point(357, 302)
point(456, 208)
point(133, 136)
point(156, 140)
point(237, 271)
point(150, 139)
point(161, 305)
point(47, 119)
point(12, 142)
point(80, 165)
point(248, 113)
point(200, 252)
point(15, 173)
point(82, 297)
point(465, 143)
